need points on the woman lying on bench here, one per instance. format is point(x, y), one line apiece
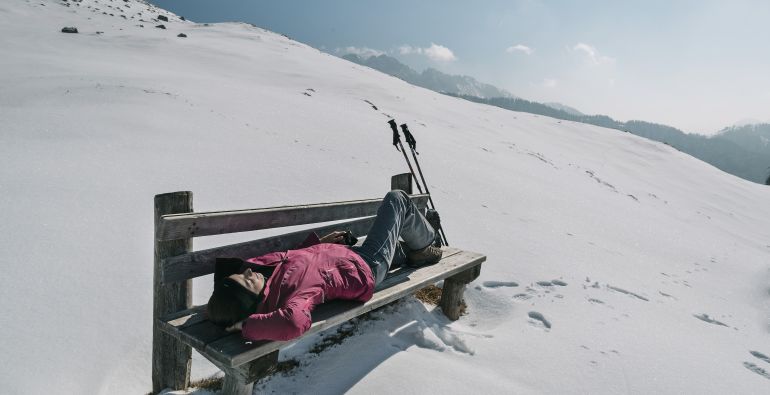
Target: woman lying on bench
point(270, 297)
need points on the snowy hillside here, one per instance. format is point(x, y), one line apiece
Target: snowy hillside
point(615, 264)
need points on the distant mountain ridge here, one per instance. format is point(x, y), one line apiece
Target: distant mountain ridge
point(743, 151)
point(754, 137)
point(430, 78)
point(565, 108)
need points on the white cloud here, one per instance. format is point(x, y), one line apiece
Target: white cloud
point(440, 53)
point(519, 48)
point(550, 83)
point(435, 52)
point(592, 54)
point(363, 52)
point(408, 50)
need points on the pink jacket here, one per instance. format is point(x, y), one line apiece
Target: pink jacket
point(301, 280)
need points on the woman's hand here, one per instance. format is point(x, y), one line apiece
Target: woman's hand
point(334, 237)
point(235, 327)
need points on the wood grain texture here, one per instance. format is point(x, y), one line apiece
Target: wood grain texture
point(403, 182)
point(452, 298)
point(180, 226)
point(171, 358)
point(240, 380)
point(231, 350)
point(234, 385)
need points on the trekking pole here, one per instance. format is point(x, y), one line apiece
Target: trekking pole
point(412, 143)
point(397, 144)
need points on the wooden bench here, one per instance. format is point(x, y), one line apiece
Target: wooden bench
point(178, 327)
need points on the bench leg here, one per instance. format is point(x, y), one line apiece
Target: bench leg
point(451, 298)
point(240, 380)
point(452, 292)
point(234, 385)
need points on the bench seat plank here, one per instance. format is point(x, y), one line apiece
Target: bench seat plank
point(182, 226)
point(231, 350)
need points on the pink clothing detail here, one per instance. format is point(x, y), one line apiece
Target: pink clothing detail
point(303, 279)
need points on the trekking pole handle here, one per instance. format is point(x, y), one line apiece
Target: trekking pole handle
point(396, 137)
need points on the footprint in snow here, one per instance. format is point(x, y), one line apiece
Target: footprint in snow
point(705, 318)
point(761, 356)
point(538, 319)
point(756, 369)
point(667, 295)
point(629, 293)
point(522, 297)
point(498, 284)
point(371, 104)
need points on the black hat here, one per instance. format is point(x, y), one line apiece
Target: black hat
point(245, 300)
point(225, 267)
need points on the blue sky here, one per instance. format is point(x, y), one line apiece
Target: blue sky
point(695, 65)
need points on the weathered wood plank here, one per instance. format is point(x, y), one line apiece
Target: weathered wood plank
point(180, 226)
point(171, 358)
point(452, 298)
point(201, 334)
point(201, 263)
point(240, 380)
point(234, 350)
point(234, 385)
point(403, 182)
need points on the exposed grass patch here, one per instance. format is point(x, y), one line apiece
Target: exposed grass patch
point(432, 295)
point(213, 383)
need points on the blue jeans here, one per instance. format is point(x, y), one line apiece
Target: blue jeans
point(397, 216)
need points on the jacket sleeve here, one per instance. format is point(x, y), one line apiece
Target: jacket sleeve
point(283, 324)
point(311, 240)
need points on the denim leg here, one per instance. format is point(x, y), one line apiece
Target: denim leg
point(397, 216)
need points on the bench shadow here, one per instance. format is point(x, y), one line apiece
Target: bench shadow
point(336, 359)
point(375, 339)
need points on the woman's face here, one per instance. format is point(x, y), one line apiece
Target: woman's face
point(254, 282)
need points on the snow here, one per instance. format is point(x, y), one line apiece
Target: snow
point(631, 251)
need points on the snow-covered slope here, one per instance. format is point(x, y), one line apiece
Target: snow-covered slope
point(660, 260)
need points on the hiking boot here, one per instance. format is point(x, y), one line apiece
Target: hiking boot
point(424, 257)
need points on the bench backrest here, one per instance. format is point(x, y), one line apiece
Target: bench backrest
point(176, 225)
point(184, 226)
